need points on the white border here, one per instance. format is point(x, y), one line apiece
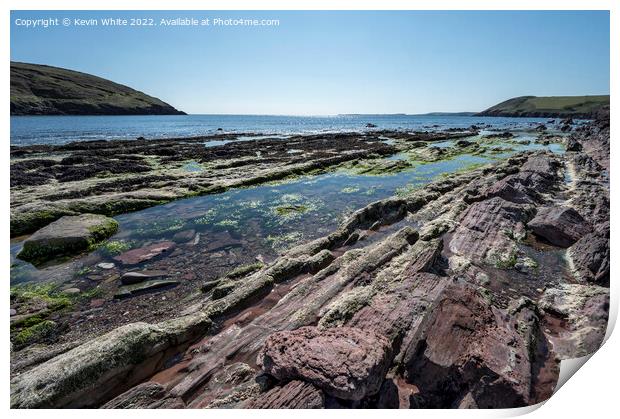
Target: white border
point(592, 393)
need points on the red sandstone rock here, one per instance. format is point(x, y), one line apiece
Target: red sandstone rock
point(470, 349)
point(144, 396)
point(486, 228)
point(560, 226)
point(143, 254)
point(348, 363)
point(590, 256)
point(294, 395)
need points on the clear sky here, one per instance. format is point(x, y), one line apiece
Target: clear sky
point(319, 63)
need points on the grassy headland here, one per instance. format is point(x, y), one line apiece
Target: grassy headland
point(45, 90)
point(549, 106)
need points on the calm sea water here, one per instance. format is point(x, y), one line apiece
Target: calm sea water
point(27, 130)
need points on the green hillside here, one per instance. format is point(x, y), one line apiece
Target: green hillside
point(44, 90)
point(549, 106)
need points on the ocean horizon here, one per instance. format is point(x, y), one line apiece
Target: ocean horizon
point(29, 130)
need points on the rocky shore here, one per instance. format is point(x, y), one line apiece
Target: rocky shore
point(113, 177)
point(464, 293)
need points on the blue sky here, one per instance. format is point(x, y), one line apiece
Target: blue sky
point(319, 63)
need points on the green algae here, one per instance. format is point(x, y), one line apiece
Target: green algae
point(244, 270)
point(287, 210)
point(406, 190)
point(350, 189)
point(506, 261)
point(34, 333)
point(208, 218)
point(115, 247)
point(159, 228)
point(228, 223)
point(49, 293)
point(284, 241)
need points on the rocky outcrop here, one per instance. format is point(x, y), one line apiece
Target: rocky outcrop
point(347, 363)
point(67, 236)
point(102, 368)
point(439, 298)
point(486, 230)
point(559, 226)
point(472, 352)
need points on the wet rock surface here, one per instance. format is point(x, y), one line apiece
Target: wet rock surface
point(112, 177)
point(146, 253)
point(67, 236)
point(442, 297)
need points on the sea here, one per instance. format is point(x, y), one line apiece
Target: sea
point(29, 130)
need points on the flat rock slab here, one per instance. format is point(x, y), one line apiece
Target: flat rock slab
point(133, 289)
point(146, 253)
point(348, 363)
point(294, 395)
point(560, 226)
point(129, 278)
point(69, 235)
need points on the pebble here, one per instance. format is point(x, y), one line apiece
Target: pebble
point(72, 291)
point(106, 265)
point(13, 312)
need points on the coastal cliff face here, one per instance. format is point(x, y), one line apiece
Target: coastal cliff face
point(549, 107)
point(45, 90)
point(464, 293)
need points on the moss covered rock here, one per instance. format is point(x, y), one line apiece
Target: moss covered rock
point(35, 333)
point(67, 236)
point(104, 367)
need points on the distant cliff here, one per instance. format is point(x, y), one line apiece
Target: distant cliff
point(549, 106)
point(44, 90)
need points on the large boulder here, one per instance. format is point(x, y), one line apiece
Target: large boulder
point(67, 236)
point(348, 363)
point(560, 226)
